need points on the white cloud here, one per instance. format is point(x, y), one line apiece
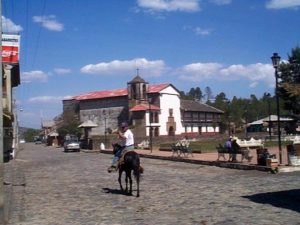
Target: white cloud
point(9, 26)
point(199, 71)
point(46, 99)
point(35, 75)
point(148, 68)
point(202, 32)
point(221, 2)
point(254, 84)
point(214, 71)
point(49, 22)
point(281, 4)
point(62, 71)
point(170, 5)
point(68, 97)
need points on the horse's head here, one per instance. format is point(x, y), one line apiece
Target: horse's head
point(116, 147)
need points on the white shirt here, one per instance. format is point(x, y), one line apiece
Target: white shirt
point(129, 138)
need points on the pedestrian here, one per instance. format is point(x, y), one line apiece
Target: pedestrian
point(127, 143)
point(228, 147)
point(235, 148)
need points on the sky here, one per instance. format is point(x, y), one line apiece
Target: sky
point(71, 47)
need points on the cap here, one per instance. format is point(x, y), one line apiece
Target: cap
point(124, 124)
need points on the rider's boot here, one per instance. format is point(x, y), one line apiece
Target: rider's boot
point(111, 169)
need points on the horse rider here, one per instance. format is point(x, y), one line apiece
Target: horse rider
point(127, 138)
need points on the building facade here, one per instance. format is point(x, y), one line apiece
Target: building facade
point(152, 110)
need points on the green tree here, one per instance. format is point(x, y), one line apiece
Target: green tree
point(70, 128)
point(193, 94)
point(69, 125)
point(30, 133)
point(289, 74)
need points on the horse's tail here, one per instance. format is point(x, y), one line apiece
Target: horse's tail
point(141, 169)
point(138, 169)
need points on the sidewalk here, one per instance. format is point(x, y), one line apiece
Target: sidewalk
point(211, 159)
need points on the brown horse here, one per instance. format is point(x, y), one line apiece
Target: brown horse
point(128, 163)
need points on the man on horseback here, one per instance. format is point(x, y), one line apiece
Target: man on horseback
point(127, 138)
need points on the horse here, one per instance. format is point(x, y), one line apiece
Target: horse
point(130, 161)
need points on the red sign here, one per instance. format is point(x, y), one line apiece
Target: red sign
point(10, 48)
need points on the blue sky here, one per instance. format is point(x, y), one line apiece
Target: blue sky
point(72, 47)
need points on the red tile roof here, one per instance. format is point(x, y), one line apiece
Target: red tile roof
point(157, 87)
point(116, 93)
point(144, 107)
point(102, 94)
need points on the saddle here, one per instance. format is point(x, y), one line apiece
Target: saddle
point(122, 161)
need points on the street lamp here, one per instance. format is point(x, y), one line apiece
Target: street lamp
point(150, 125)
point(104, 114)
point(227, 102)
point(269, 112)
point(276, 60)
point(246, 118)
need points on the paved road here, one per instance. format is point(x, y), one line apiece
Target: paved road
point(74, 188)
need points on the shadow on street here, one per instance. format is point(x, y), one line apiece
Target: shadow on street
point(289, 199)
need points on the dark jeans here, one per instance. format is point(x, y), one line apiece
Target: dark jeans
point(117, 156)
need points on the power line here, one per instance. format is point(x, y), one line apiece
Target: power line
point(38, 36)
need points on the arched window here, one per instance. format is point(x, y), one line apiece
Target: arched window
point(144, 91)
point(156, 117)
point(171, 131)
point(133, 88)
point(156, 132)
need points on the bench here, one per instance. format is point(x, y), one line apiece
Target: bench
point(252, 143)
point(143, 145)
point(245, 153)
point(182, 147)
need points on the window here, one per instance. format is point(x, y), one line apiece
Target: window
point(170, 112)
point(156, 117)
point(151, 117)
point(209, 116)
point(133, 88)
point(202, 116)
point(144, 91)
point(195, 115)
point(156, 132)
point(187, 115)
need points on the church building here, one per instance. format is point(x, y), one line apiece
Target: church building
point(150, 109)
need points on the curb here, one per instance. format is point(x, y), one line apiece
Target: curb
point(203, 162)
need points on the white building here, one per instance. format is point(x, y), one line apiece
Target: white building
point(147, 108)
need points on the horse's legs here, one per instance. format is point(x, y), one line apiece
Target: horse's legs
point(119, 179)
point(138, 182)
point(126, 181)
point(128, 176)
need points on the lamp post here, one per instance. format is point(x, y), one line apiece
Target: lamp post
point(104, 114)
point(150, 125)
point(276, 60)
point(246, 118)
point(227, 101)
point(269, 112)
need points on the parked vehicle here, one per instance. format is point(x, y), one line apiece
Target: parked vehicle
point(71, 143)
point(38, 141)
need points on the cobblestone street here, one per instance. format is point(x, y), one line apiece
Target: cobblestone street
point(75, 188)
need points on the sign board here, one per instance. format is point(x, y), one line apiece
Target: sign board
point(10, 48)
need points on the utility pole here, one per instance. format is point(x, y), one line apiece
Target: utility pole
point(1, 129)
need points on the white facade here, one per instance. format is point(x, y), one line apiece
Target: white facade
point(169, 100)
